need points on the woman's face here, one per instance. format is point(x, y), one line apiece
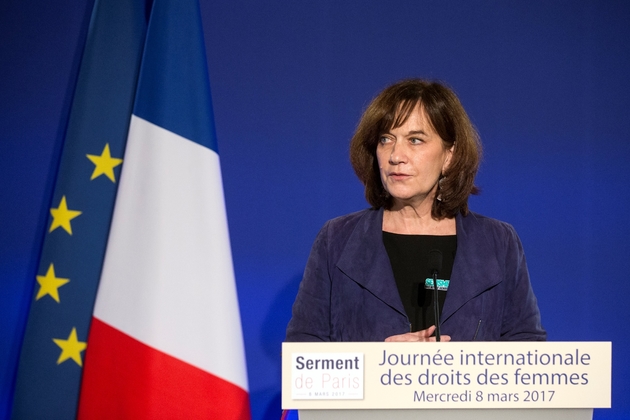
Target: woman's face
point(411, 159)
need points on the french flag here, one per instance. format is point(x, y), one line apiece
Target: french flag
point(165, 339)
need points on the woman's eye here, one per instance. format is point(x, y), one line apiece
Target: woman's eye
point(415, 140)
point(383, 140)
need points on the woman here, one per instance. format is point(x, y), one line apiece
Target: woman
point(368, 277)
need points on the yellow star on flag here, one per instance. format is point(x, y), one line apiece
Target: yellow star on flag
point(70, 348)
point(62, 216)
point(50, 284)
point(104, 164)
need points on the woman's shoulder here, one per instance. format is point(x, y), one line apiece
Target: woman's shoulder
point(360, 224)
point(475, 223)
point(352, 219)
point(483, 220)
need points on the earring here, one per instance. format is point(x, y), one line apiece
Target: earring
point(440, 182)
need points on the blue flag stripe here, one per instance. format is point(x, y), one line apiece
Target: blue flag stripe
point(173, 72)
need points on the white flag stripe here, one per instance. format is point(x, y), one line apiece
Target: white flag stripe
point(168, 279)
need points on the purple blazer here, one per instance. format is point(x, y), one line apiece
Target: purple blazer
point(348, 292)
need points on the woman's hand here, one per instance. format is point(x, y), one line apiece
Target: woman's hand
point(423, 335)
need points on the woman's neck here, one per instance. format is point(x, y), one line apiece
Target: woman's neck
point(408, 220)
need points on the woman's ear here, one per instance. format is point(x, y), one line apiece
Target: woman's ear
point(449, 157)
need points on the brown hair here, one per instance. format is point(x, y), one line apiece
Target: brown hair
point(390, 109)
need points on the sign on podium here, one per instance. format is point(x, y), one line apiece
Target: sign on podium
point(454, 379)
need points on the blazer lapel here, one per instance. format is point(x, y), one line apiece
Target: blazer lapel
point(475, 268)
point(365, 260)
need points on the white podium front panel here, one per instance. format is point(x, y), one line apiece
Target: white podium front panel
point(481, 414)
point(479, 375)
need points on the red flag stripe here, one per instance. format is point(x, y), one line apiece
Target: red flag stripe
point(139, 382)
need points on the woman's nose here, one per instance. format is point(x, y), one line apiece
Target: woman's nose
point(398, 154)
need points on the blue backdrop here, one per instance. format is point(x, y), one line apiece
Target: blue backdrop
point(546, 84)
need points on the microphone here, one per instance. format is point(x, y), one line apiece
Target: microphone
point(435, 265)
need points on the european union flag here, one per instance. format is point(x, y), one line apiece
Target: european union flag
point(51, 360)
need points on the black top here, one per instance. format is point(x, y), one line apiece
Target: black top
point(409, 257)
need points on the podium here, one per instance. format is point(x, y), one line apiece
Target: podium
point(473, 380)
